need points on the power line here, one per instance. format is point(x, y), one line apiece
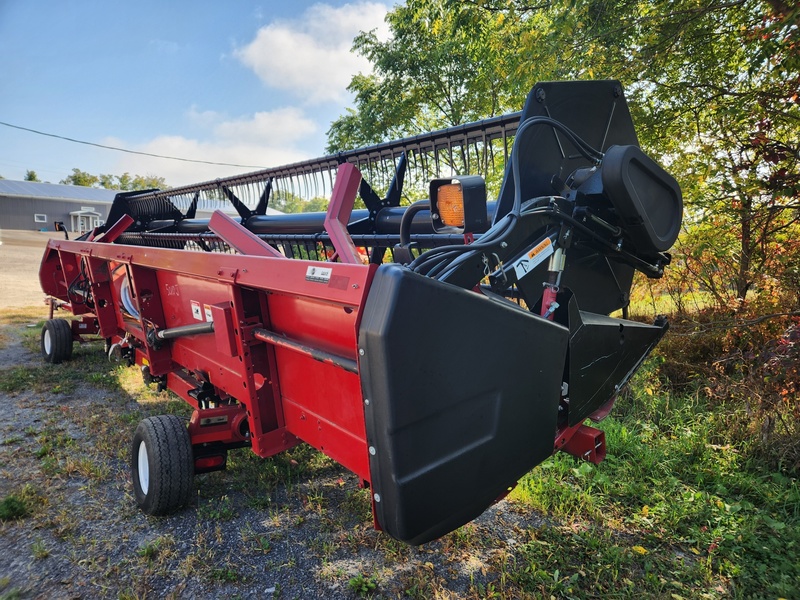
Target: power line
point(69, 139)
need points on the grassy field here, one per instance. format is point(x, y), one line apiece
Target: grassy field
point(675, 511)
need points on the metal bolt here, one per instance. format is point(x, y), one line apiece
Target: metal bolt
point(540, 95)
point(503, 245)
point(366, 401)
point(372, 450)
point(617, 91)
point(377, 497)
point(361, 352)
point(355, 286)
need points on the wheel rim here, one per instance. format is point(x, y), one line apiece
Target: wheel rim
point(144, 469)
point(48, 343)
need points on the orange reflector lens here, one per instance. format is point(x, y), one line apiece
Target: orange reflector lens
point(450, 203)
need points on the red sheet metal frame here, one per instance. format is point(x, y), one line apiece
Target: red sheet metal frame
point(283, 391)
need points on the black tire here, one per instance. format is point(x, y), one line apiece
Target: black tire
point(162, 465)
point(56, 341)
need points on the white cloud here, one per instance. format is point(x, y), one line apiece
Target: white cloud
point(280, 126)
point(265, 139)
point(311, 56)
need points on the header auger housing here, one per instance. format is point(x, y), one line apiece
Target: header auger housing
point(438, 351)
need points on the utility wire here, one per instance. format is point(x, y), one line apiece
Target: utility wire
point(69, 139)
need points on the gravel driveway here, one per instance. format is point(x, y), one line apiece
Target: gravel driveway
point(20, 256)
point(294, 526)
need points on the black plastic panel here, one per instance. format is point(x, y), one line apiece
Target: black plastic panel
point(603, 354)
point(646, 197)
point(463, 397)
point(595, 110)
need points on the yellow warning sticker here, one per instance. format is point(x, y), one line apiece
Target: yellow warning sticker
point(541, 246)
point(533, 258)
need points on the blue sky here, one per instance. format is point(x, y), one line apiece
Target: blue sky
point(234, 81)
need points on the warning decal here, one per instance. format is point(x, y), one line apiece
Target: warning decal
point(319, 274)
point(197, 312)
point(533, 258)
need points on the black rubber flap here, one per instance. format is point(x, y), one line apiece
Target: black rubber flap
point(461, 397)
point(647, 198)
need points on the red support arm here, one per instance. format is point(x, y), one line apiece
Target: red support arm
point(348, 178)
point(236, 236)
point(113, 232)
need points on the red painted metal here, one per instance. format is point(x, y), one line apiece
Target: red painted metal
point(113, 232)
point(220, 424)
point(548, 299)
point(238, 237)
point(587, 443)
point(84, 326)
point(245, 386)
point(281, 364)
point(345, 189)
point(274, 390)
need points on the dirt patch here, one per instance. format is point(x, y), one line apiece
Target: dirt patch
point(20, 257)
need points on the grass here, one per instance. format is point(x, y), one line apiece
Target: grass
point(670, 512)
point(25, 501)
point(39, 550)
point(362, 586)
point(160, 547)
point(12, 507)
point(676, 511)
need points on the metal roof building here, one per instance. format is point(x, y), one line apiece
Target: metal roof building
point(29, 205)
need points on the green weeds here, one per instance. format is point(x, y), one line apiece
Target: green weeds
point(22, 503)
point(159, 547)
point(362, 585)
point(674, 510)
point(12, 507)
point(39, 550)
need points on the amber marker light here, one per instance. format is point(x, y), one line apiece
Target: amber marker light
point(458, 205)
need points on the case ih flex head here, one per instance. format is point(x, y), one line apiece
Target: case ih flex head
point(439, 351)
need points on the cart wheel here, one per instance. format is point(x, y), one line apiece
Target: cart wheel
point(57, 341)
point(162, 467)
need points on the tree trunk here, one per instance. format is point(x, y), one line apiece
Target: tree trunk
point(745, 249)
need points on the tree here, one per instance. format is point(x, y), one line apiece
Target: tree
point(713, 87)
point(127, 183)
point(716, 86)
point(442, 66)
point(79, 177)
point(31, 176)
point(115, 182)
point(147, 182)
point(291, 203)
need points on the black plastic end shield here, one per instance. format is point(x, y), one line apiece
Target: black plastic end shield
point(647, 198)
point(461, 399)
point(603, 355)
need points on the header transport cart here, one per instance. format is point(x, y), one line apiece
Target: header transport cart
point(439, 351)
